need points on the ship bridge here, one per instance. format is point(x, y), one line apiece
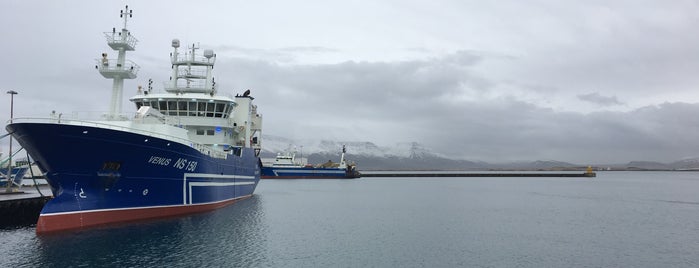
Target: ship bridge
point(189, 104)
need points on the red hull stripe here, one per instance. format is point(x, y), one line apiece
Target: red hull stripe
point(76, 220)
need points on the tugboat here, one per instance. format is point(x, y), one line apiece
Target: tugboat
point(185, 150)
point(285, 166)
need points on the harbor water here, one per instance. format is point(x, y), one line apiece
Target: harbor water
point(619, 219)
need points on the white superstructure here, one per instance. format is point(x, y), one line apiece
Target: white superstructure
point(188, 110)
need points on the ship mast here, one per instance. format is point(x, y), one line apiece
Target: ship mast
point(118, 69)
point(191, 73)
point(342, 158)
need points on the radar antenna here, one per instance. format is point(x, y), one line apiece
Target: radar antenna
point(123, 14)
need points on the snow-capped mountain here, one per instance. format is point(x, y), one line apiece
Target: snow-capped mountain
point(687, 163)
point(539, 165)
point(367, 155)
point(415, 156)
point(276, 144)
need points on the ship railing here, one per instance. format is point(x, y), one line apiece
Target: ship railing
point(117, 38)
point(105, 65)
point(203, 148)
point(112, 64)
point(93, 116)
point(193, 86)
point(198, 59)
point(192, 72)
point(189, 84)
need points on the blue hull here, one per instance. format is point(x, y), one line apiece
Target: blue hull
point(93, 171)
point(307, 173)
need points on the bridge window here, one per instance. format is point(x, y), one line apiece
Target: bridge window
point(210, 109)
point(192, 108)
point(201, 109)
point(182, 107)
point(219, 109)
point(229, 110)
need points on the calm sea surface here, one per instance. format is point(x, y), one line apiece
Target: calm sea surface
point(619, 219)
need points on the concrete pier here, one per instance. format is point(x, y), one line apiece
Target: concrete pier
point(21, 208)
point(471, 174)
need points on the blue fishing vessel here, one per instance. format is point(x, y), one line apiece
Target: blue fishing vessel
point(188, 148)
point(286, 166)
point(16, 176)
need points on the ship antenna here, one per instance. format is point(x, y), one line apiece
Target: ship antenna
point(126, 11)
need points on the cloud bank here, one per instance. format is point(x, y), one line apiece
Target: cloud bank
point(445, 104)
point(576, 81)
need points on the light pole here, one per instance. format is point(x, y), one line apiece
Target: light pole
point(9, 163)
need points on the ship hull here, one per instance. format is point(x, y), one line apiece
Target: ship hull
point(307, 173)
point(102, 176)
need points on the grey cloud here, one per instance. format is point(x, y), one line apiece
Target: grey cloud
point(476, 103)
point(598, 99)
point(371, 86)
point(418, 101)
point(309, 49)
point(386, 102)
point(464, 58)
point(282, 55)
point(510, 130)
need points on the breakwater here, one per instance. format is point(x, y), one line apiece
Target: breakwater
point(471, 174)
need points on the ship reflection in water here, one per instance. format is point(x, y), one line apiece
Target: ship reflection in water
point(232, 235)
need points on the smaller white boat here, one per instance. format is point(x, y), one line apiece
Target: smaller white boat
point(286, 166)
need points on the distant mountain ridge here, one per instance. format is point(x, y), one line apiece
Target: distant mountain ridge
point(415, 156)
point(684, 164)
point(401, 156)
point(275, 144)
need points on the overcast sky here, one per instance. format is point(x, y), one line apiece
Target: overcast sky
point(509, 80)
